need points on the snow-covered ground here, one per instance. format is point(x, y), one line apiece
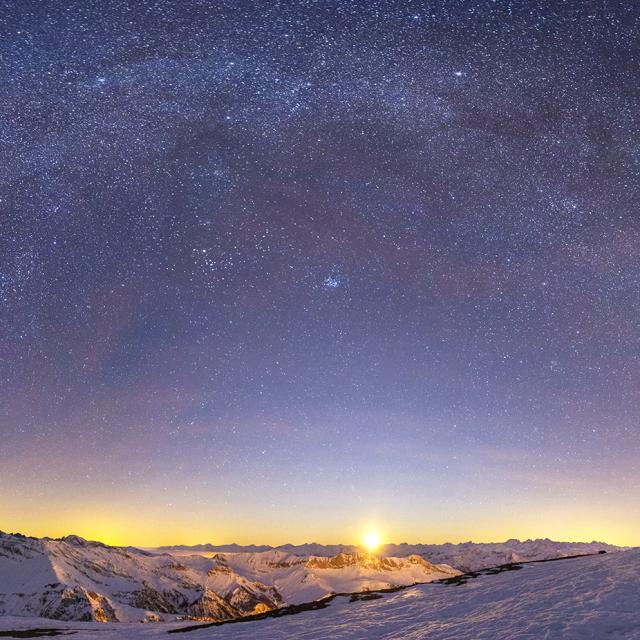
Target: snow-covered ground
point(595, 598)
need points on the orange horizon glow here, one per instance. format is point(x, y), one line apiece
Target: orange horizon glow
point(139, 535)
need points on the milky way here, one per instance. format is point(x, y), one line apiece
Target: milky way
point(274, 270)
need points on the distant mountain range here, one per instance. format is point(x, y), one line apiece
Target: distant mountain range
point(464, 556)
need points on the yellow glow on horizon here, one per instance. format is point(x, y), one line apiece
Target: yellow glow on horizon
point(127, 523)
point(371, 540)
point(135, 533)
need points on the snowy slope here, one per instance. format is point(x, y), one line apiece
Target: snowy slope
point(471, 556)
point(73, 579)
point(590, 598)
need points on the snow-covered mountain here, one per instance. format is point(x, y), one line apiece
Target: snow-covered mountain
point(587, 598)
point(74, 579)
point(472, 556)
point(466, 556)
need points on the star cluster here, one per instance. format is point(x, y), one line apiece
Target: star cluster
point(310, 263)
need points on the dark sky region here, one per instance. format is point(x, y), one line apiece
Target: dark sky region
point(283, 271)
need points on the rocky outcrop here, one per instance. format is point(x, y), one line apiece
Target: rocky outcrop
point(256, 601)
point(76, 603)
point(153, 600)
point(211, 606)
point(365, 560)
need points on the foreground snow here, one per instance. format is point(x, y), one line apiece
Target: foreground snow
point(592, 597)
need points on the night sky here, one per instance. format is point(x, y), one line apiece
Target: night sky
point(280, 271)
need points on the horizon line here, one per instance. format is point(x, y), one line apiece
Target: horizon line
point(291, 544)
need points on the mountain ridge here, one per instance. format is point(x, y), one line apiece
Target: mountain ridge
point(71, 578)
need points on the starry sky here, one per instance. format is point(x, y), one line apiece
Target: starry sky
point(281, 271)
